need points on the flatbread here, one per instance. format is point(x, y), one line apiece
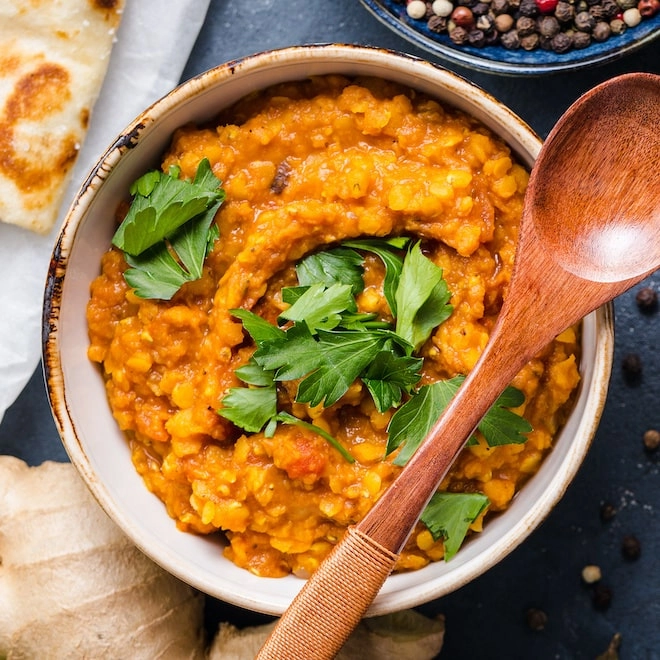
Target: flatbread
point(53, 58)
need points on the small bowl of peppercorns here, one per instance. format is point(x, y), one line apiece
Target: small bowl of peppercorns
point(523, 36)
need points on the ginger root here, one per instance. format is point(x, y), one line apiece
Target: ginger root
point(405, 635)
point(73, 586)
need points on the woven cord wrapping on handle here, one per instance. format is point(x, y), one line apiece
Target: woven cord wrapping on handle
point(332, 602)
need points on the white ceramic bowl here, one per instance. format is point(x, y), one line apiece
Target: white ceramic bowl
point(78, 399)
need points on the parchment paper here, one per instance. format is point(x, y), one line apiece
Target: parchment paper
point(153, 44)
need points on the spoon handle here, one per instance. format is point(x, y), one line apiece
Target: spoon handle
point(332, 602)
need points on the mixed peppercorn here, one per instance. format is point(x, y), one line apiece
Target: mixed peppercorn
point(554, 25)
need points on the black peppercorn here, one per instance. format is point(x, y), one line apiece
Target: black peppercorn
point(510, 39)
point(618, 26)
point(525, 25)
point(561, 43)
point(480, 9)
point(548, 26)
point(581, 39)
point(632, 368)
point(584, 21)
point(459, 36)
point(611, 9)
point(437, 24)
point(476, 38)
point(602, 596)
point(607, 511)
point(564, 12)
point(631, 547)
point(530, 42)
point(536, 619)
point(601, 31)
point(499, 6)
point(528, 8)
point(646, 298)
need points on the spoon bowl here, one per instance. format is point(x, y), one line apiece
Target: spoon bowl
point(597, 163)
point(589, 231)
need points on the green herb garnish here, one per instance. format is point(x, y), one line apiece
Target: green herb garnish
point(325, 344)
point(448, 516)
point(411, 423)
point(169, 230)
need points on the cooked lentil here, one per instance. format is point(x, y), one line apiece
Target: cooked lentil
point(305, 165)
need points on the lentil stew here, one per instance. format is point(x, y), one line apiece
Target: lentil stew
point(306, 165)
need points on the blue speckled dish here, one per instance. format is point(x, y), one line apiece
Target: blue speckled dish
point(496, 59)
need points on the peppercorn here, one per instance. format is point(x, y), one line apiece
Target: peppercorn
point(536, 619)
point(631, 548)
point(503, 22)
point(484, 23)
point(437, 24)
point(530, 42)
point(648, 8)
point(646, 298)
point(610, 9)
point(442, 8)
point(598, 12)
point(601, 596)
point(632, 368)
point(584, 21)
point(651, 440)
point(463, 17)
point(546, 6)
point(607, 511)
point(564, 12)
point(591, 574)
point(581, 39)
point(528, 8)
point(416, 9)
point(476, 38)
point(481, 9)
point(617, 26)
point(562, 42)
point(626, 4)
point(632, 17)
point(458, 35)
point(499, 7)
point(548, 26)
point(601, 31)
point(525, 25)
point(510, 40)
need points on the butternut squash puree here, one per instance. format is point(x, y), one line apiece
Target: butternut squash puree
point(305, 165)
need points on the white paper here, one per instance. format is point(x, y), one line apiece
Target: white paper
point(153, 44)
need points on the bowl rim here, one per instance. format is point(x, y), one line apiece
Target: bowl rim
point(396, 594)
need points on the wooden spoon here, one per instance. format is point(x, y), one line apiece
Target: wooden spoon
point(590, 230)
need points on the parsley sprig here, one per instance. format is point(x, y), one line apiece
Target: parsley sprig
point(169, 230)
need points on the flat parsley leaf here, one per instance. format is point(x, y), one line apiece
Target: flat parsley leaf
point(449, 516)
point(422, 298)
point(389, 377)
point(162, 203)
point(319, 307)
point(169, 230)
point(386, 250)
point(338, 266)
point(251, 408)
point(411, 424)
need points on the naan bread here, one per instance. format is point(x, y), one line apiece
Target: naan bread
point(53, 57)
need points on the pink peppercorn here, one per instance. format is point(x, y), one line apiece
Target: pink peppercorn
point(546, 6)
point(463, 17)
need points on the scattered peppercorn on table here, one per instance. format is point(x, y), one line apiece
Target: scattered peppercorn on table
point(588, 573)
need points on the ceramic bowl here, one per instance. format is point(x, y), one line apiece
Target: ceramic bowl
point(75, 385)
point(497, 59)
